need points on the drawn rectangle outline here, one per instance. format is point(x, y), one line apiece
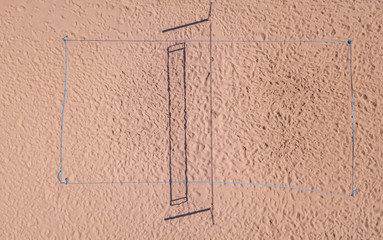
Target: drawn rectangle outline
point(59, 176)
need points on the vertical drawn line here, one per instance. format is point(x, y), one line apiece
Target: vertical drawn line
point(170, 130)
point(208, 182)
point(212, 216)
point(352, 108)
point(185, 122)
point(211, 130)
point(59, 176)
point(211, 3)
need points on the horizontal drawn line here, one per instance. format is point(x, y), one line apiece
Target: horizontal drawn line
point(179, 49)
point(175, 203)
point(208, 182)
point(206, 41)
point(178, 199)
point(176, 44)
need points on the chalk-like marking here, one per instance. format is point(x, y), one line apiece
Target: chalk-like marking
point(209, 182)
point(211, 125)
point(62, 115)
point(187, 214)
point(185, 25)
point(201, 40)
point(172, 49)
point(352, 109)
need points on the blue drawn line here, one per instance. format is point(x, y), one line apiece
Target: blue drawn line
point(59, 176)
point(52, 28)
point(209, 182)
point(79, 183)
point(353, 192)
point(206, 41)
point(352, 107)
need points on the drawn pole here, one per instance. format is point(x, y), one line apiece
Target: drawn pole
point(170, 130)
point(59, 176)
point(352, 109)
point(185, 126)
point(211, 119)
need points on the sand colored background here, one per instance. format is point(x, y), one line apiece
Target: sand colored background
point(282, 115)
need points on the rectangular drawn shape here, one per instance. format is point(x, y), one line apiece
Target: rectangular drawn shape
point(177, 124)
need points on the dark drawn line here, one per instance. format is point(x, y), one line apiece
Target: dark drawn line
point(212, 216)
point(185, 124)
point(175, 203)
point(207, 77)
point(59, 175)
point(211, 127)
point(202, 41)
point(176, 44)
point(178, 198)
point(187, 214)
point(186, 25)
point(211, 4)
point(170, 131)
point(352, 107)
point(179, 49)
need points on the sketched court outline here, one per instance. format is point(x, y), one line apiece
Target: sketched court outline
point(348, 42)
